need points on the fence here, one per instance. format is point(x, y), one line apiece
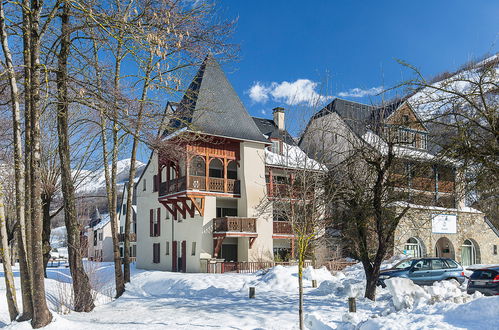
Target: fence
point(219, 266)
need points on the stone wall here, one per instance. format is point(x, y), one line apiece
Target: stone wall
point(471, 226)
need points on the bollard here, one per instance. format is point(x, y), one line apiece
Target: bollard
point(352, 306)
point(314, 283)
point(252, 292)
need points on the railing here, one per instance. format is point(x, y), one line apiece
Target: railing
point(234, 224)
point(133, 237)
point(199, 183)
point(282, 227)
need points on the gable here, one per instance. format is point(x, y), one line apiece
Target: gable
point(405, 116)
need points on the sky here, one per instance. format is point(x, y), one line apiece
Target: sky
point(292, 51)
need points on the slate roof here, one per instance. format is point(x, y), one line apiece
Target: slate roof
point(211, 106)
point(356, 115)
point(269, 128)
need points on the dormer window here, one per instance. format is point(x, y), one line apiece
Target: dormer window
point(276, 146)
point(405, 119)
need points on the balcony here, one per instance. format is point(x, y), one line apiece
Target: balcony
point(282, 228)
point(235, 226)
point(200, 183)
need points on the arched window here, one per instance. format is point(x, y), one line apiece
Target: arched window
point(198, 167)
point(444, 248)
point(232, 170)
point(216, 168)
point(468, 253)
point(414, 248)
point(173, 171)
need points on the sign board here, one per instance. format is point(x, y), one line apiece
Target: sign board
point(444, 224)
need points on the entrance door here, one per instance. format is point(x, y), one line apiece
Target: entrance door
point(229, 252)
point(444, 248)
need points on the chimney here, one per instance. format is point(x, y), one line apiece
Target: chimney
point(279, 117)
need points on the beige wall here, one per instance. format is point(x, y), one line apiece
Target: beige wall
point(470, 225)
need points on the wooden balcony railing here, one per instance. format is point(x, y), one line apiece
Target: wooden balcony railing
point(199, 183)
point(133, 237)
point(282, 227)
point(234, 224)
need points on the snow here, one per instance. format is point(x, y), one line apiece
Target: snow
point(105, 219)
point(292, 157)
point(94, 181)
point(165, 300)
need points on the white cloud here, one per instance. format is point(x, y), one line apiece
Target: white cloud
point(259, 93)
point(359, 92)
point(263, 112)
point(299, 91)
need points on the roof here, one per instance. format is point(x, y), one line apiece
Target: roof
point(356, 115)
point(211, 106)
point(269, 128)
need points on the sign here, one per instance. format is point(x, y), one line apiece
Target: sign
point(444, 223)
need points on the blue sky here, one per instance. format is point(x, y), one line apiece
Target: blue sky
point(290, 50)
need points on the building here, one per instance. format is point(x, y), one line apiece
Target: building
point(199, 198)
point(438, 222)
point(99, 240)
point(122, 219)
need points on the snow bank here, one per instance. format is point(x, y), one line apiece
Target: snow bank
point(405, 294)
point(480, 313)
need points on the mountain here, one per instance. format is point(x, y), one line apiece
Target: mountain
point(89, 182)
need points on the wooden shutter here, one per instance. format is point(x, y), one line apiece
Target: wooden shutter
point(158, 230)
point(151, 222)
point(174, 256)
point(184, 256)
point(155, 183)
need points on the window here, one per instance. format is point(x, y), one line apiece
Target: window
point(167, 248)
point(144, 185)
point(124, 209)
point(155, 253)
point(216, 168)
point(422, 265)
point(134, 251)
point(413, 248)
point(232, 170)
point(155, 183)
point(121, 252)
point(451, 264)
point(100, 236)
point(95, 237)
point(468, 253)
point(193, 249)
point(495, 249)
point(438, 264)
point(276, 147)
point(226, 212)
point(335, 137)
point(405, 119)
point(198, 166)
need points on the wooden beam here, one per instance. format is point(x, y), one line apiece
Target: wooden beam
point(199, 207)
point(179, 209)
point(218, 245)
point(172, 211)
point(251, 241)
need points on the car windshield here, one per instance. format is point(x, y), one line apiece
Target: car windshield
point(404, 264)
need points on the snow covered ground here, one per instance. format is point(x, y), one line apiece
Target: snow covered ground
point(163, 300)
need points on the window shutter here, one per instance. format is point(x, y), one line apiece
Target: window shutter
point(158, 233)
point(184, 256)
point(155, 183)
point(151, 224)
point(174, 256)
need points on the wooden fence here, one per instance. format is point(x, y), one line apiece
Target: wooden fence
point(251, 267)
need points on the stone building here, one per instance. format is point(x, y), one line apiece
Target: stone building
point(438, 222)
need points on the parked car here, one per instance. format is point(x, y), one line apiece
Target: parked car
point(424, 271)
point(485, 280)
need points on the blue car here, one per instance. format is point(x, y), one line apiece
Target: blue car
point(424, 271)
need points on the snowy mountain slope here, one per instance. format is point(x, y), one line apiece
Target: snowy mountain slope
point(432, 101)
point(95, 181)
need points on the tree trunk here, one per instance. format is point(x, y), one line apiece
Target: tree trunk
point(300, 292)
point(46, 202)
point(5, 255)
point(41, 313)
point(81, 284)
point(18, 174)
point(131, 176)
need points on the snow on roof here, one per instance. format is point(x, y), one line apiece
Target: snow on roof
point(292, 157)
point(466, 209)
point(400, 151)
point(105, 219)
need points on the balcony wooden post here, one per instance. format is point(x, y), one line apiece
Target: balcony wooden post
point(225, 174)
point(207, 172)
point(187, 171)
point(292, 248)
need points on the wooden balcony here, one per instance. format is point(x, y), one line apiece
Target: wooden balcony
point(282, 228)
point(236, 226)
point(199, 183)
point(284, 191)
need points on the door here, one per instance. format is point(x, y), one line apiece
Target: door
point(420, 272)
point(438, 270)
point(229, 252)
point(174, 256)
point(183, 259)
